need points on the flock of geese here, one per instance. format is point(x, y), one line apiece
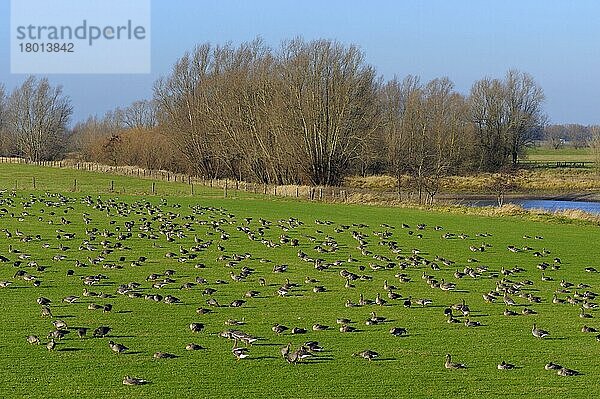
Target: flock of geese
point(185, 237)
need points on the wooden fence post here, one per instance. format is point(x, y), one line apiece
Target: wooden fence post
point(34, 182)
point(225, 189)
point(112, 185)
point(153, 188)
point(74, 184)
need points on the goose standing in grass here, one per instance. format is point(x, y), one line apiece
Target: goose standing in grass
point(196, 327)
point(367, 354)
point(193, 347)
point(449, 364)
point(239, 353)
point(51, 345)
point(117, 348)
point(538, 332)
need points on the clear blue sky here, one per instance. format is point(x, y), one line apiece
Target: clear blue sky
point(558, 42)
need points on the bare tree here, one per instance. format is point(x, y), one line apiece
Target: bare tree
point(524, 99)
point(140, 114)
point(4, 142)
point(38, 115)
point(331, 95)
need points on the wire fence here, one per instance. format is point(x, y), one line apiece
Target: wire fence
point(195, 183)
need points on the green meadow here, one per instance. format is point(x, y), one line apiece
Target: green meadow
point(61, 235)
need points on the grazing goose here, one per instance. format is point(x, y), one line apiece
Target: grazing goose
point(163, 355)
point(50, 345)
point(285, 350)
point(33, 340)
point(82, 331)
point(196, 327)
point(346, 328)
point(539, 333)
point(587, 329)
point(298, 330)
point(193, 347)
point(505, 366)
point(127, 380)
point(117, 348)
point(398, 331)
point(470, 323)
point(508, 312)
point(527, 311)
point(101, 331)
point(58, 324)
point(46, 312)
point(367, 354)
point(239, 353)
point(449, 364)
point(279, 328)
point(565, 372)
point(313, 346)
point(424, 302)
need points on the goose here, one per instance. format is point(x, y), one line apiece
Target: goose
point(408, 302)
point(346, 328)
point(285, 350)
point(565, 372)
point(239, 353)
point(51, 345)
point(279, 328)
point(313, 346)
point(33, 340)
point(127, 380)
point(505, 366)
point(424, 302)
point(319, 327)
point(398, 331)
point(298, 330)
point(380, 301)
point(101, 331)
point(584, 315)
point(552, 366)
point(587, 329)
point(342, 320)
point(470, 323)
point(508, 312)
point(237, 303)
point(452, 319)
point(193, 347)
point(451, 365)
point(46, 312)
point(117, 348)
point(539, 333)
point(58, 324)
point(163, 355)
point(82, 331)
point(367, 354)
point(196, 327)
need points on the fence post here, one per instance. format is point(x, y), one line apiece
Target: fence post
point(192, 188)
point(74, 184)
point(153, 188)
point(275, 190)
point(112, 185)
point(225, 189)
point(297, 192)
point(320, 193)
point(34, 182)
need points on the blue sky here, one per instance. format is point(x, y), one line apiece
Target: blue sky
point(555, 41)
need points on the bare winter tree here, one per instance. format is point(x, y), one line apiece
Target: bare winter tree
point(507, 116)
point(331, 96)
point(140, 114)
point(38, 115)
point(524, 99)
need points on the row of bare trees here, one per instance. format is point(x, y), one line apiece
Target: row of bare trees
point(307, 112)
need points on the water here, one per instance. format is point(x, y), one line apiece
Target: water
point(549, 205)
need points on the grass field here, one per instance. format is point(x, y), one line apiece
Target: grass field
point(124, 227)
point(561, 154)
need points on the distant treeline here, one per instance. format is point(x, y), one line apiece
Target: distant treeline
point(307, 112)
